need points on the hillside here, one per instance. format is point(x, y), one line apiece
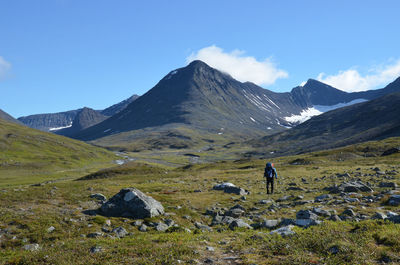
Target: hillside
point(8, 117)
point(372, 120)
point(29, 155)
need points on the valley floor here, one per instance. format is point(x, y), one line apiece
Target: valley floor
point(56, 223)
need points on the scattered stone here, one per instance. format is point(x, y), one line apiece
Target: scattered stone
point(197, 191)
point(323, 197)
point(96, 249)
point(333, 250)
point(235, 190)
point(395, 219)
point(391, 185)
point(379, 215)
point(98, 196)
point(223, 185)
point(306, 222)
point(394, 200)
point(187, 217)
point(335, 218)
point(306, 214)
point(95, 235)
point(161, 227)
point(107, 222)
point(353, 186)
point(284, 231)
point(169, 222)
point(137, 223)
point(265, 201)
point(296, 188)
point(349, 212)
point(120, 232)
point(31, 247)
point(211, 249)
point(267, 224)
point(132, 203)
point(51, 229)
point(143, 228)
point(209, 261)
point(321, 212)
point(240, 224)
point(203, 227)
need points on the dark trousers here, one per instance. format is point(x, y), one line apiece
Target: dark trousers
point(270, 181)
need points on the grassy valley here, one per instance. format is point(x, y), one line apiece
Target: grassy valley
point(61, 218)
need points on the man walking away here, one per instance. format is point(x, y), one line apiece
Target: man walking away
point(269, 174)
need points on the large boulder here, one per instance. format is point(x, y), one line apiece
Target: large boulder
point(394, 200)
point(132, 203)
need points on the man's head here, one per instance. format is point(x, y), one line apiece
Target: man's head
point(270, 165)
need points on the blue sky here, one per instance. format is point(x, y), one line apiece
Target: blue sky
point(58, 55)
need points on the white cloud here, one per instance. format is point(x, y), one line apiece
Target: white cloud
point(4, 67)
point(351, 80)
point(240, 67)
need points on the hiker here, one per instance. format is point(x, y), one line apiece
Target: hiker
point(269, 174)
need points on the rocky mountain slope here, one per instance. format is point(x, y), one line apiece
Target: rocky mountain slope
point(375, 119)
point(57, 121)
point(85, 118)
point(205, 99)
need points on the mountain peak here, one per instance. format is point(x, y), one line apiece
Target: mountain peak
point(198, 63)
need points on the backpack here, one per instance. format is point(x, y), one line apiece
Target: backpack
point(269, 172)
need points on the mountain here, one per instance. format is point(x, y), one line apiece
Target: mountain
point(7, 117)
point(372, 120)
point(204, 99)
point(114, 109)
point(56, 121)
point(85, 118)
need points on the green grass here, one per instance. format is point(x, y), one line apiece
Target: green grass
point(26, 212)
point(28, 156)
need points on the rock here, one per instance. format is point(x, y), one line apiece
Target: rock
point(107, 222)
point(267, 224)
point(223, 185)
point(379, 215)
point(95, 235)
point(335, 218)
point(202, 227)
point(351, 200)
point(286, 222)
point(321, 212)
point(209, 261)
point(352, 186)
point(219, 220)
point(395, 219)
point(98, 196)
point(306, 222)
point(391, 151)
point(137, 223)
point(306, 214)
point(169, 222)
point(132, 203)
point(235, 190)
point(235, 211)
point(349, 212)
point(394, 200)
point(284, 231)
point(391, 185)
point(143, 228)
point(120, 232)
point(284, 198)
point(323, 197)
point(96, 249)
point(391, 214)
point(211, 249)
point(333, 250)
point(161, 227)
point(31, 247)
point(51, 229)
point(265, 201)
point(239, 223)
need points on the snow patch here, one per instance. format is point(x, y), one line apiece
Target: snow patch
point(251, 118)
point(107, 130)
point(172, 73)
point(59, 128)
point(306, 114)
